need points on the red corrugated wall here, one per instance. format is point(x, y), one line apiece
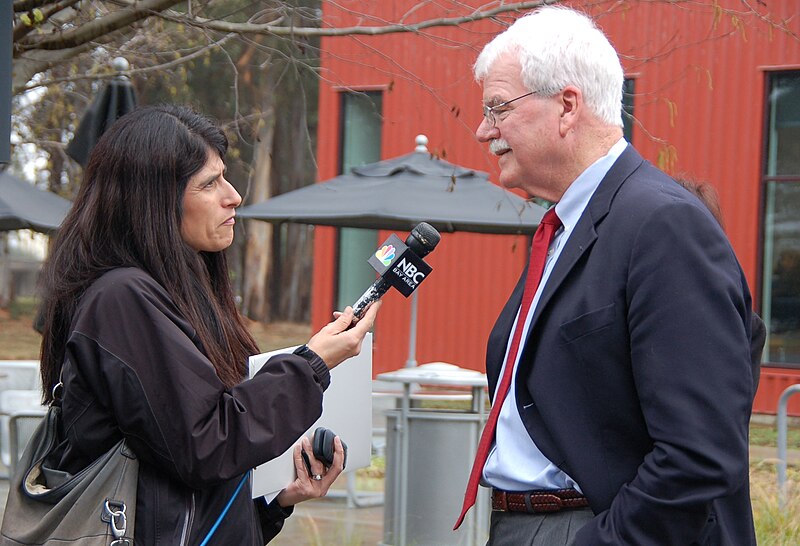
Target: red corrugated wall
point(699, 75)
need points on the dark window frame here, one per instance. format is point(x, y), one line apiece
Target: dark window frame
point(770, 79)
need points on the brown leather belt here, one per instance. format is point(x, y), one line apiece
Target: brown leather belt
point(536, 502)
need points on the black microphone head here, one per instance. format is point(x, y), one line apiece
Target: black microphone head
point(423, 239)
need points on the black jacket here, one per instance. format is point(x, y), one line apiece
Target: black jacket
point(135, 368)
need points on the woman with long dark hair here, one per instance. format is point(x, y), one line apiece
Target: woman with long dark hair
point(141, 328)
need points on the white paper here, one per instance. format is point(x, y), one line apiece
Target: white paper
point(346, 410)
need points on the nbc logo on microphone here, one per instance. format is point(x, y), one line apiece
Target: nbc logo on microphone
point(385, 254)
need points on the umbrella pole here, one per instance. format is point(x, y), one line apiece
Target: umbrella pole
point(5, 278)
point(412, 333)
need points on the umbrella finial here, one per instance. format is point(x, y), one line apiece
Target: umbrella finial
point(422, 143)
point(120, 64)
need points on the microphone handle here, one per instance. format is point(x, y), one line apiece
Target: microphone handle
point(373, 293)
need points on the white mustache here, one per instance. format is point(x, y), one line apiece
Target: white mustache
point(497, 145)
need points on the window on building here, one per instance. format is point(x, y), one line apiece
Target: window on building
point(780, 303)
point(361, 124)
point(627, 109)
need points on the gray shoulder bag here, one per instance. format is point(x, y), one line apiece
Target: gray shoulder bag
point(48, 507)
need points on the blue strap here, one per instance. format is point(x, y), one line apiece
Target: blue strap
point(225, 510)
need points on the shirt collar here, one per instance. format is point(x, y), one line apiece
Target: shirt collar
point(574, 201)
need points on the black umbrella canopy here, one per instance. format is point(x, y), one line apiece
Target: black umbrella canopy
point(398, 193)
point(23, 206)
point(116, 99)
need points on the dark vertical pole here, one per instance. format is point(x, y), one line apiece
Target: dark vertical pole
point(6, 18)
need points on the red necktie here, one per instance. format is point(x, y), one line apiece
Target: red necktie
point(541, 242)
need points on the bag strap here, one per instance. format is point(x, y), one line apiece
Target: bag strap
point(225, 510)
point(58, 390)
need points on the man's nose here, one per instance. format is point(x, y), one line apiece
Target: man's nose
point(485, 131)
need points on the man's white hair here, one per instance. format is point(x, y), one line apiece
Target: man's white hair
point(557, 47)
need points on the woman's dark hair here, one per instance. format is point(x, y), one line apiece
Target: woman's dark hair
point(707, 195)
point(128, 214)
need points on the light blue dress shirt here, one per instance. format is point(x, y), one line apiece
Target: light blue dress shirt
point(514, 462)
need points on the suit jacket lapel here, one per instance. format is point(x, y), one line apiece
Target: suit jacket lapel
point(496, 350)
point(585, 233)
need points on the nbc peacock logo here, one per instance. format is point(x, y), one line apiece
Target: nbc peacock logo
point(385, 254)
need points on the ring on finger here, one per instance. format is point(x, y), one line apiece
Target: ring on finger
point(316, 477)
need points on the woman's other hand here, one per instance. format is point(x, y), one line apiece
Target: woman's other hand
point(342, 338)
point(315, 485)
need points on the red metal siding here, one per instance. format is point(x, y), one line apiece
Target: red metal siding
point(705, 100)
point(773, 382)
point(428, 89)
point(699, 100)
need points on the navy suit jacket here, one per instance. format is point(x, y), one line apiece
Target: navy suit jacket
point(635, 377)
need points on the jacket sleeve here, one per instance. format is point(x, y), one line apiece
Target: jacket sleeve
point(688, 321)
point(271, 517)
point(143, 364)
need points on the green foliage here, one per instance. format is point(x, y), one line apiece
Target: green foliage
point(775, 526)
point(767, 435)
point(371, 478)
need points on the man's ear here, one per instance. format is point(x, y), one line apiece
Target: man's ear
point(571, 102)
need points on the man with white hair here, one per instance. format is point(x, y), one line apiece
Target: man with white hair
point(623, 418)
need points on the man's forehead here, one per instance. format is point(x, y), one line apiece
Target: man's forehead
point(500, 88)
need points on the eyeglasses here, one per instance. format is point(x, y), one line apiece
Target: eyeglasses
point(491, 113)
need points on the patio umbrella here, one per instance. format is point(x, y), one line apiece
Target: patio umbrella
point(116, 99)
point(23, 206)
point(399, 193)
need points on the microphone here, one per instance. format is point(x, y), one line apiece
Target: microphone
point(400, 265)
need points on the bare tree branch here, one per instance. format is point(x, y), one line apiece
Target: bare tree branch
point(146, 8)
point(308, 32)
point(36, 52)
point(22, 29)
point(783, 25)
point(200, 51)
point(27, 5)
point(73, 32)
point(97, 28)
point(37, 61)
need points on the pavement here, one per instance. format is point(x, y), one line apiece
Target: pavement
point(332, 522)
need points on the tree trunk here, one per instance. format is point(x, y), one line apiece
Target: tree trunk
point(298, 300)
point(258, 248)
